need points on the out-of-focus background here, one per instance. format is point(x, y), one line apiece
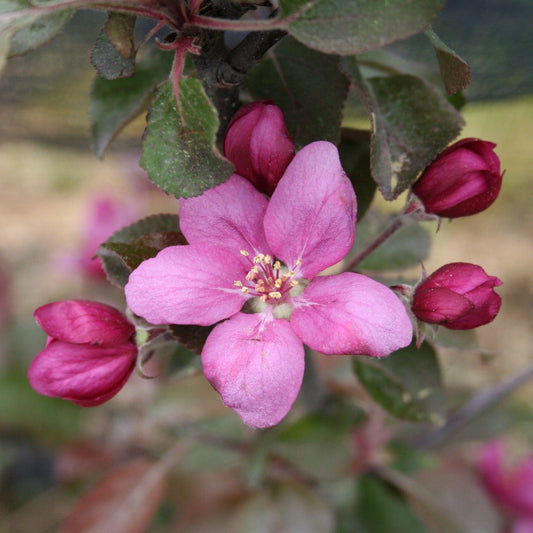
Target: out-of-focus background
point(49, 179)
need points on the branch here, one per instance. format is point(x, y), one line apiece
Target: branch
point(478, 404)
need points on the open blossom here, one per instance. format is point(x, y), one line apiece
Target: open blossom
point(464, 179)
point(89, 355)
point(511, 489)
point(457, 296)
point(258, 144)
point(255, 263)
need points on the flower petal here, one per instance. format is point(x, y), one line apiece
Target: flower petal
point(312, 213)
point(81, 321)
point(256, 364)
point(85, 374)
point(351, 314)
point(187, 285)
point(229, 215)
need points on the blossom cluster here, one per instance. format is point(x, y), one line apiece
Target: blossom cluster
point(253, 267)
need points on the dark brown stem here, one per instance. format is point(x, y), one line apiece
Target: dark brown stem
point(391, 229)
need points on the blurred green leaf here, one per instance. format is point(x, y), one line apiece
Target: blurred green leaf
point(193, 337)
point(354, 151)
point(50, 419)
point(455, 72)
point(115, 103)
point(307, 85)
point(404, 249)
point(352, 26)
point(407, 383)
point(283, 508)
point(411, 124)
point(179, 151)
point(43, 29)
point(381, 509)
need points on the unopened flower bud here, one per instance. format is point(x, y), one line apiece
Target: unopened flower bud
point(89, 355)
point(258, 144)
point(464, 179)
point(457, 296)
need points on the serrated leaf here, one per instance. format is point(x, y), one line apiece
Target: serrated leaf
point(115, 103)
point(411, 124)
point(307, 85)
point(407, 383)
point(405, 248)
point(455, 72)
point(179, 151)
point(354, 151)
point(353, 26)
point(113, 55)
point(39, 32)
point(283, 508)
point(193, 337)
point(128, 247)
point(125, 500)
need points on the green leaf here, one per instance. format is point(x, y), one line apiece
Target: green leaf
point(283, 508)
point(39, 32)
point(307, 85)
point(354, 151)
point(381, 509)
point(113, 55)
point(128, 247)
point(407, 383)
point(455, 72)
point(115, 103)
point(179, 150)
point(193, 337)
point(405, 248)
point(353, 26)
point(411, 124)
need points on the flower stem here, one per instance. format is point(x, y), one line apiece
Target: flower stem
point(390, 230)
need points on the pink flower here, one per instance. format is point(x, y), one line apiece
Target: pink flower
point(89, 355)
point(512, 489)
point(464, 179)
point(256, 263)
point(457, 296)
point(258, 144)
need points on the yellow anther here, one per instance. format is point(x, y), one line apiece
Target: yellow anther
point(294, 283)
point(270, 279)
point(279, 282)
point(298, 261)
point(237, 283)
point(275, 294)
point(245, 290)
point(259, 258)
point(260, 288)
point(290, 273)
point(245, 253)
point(267, 260)
point(260, 281)
point(277, 265)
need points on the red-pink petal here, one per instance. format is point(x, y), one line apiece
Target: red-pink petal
point(256, 365)
point(351, 314)
point(81, 321)
point(187, 285)
point(312, 213)
point(85, 374)
point(229, 215)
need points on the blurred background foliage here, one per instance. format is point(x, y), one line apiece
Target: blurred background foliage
point(48, 175)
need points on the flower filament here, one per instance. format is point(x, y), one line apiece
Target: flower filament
point(267, 279)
